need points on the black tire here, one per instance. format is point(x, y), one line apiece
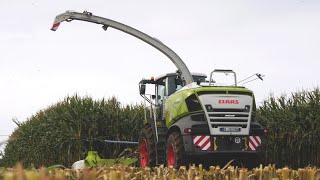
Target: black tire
point(175, 147)
point(147, 140)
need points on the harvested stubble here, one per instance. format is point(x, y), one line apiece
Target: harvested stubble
point(192, 173)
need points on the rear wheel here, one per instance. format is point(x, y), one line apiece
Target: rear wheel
point(175, 152)
point(147, 147)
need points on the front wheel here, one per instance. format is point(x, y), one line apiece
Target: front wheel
point(175, 152)
point(147, 147)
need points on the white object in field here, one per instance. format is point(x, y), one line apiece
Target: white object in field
point(79, 165)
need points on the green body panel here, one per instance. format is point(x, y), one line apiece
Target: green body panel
point(175, 105)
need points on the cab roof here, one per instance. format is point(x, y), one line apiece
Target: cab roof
point(174, 74)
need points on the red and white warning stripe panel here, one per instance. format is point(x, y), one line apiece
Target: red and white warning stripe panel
point(55, 26)
point(203, 142)
point(254, 142)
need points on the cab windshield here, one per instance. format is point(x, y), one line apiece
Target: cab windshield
point(174, 86)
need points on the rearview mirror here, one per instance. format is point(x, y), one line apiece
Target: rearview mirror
point(142, 88)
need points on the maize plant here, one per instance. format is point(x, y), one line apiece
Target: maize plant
point(294, 122)
point(65, 131)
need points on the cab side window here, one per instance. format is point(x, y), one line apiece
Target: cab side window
point(160, 91)
point(172, 87)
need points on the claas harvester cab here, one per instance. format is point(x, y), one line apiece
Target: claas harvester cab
point(200, 122)
point(188, 118)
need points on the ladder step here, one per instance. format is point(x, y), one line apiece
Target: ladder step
point(162, 131)
point(161, 138)
point(161, 160)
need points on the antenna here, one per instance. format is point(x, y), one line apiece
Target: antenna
point(250, 78)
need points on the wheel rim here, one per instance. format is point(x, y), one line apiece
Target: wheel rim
point(144, 153)
point(170, 155)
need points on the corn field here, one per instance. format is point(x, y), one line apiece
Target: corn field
point(193, 172)
point(64, 132)
point(295, 128)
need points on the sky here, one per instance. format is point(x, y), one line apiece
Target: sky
point(39, 67)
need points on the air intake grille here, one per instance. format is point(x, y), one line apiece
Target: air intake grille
point(230, 118)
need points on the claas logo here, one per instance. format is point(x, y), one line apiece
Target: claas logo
point(223, 101)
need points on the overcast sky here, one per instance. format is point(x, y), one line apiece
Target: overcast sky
point(39, 67)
